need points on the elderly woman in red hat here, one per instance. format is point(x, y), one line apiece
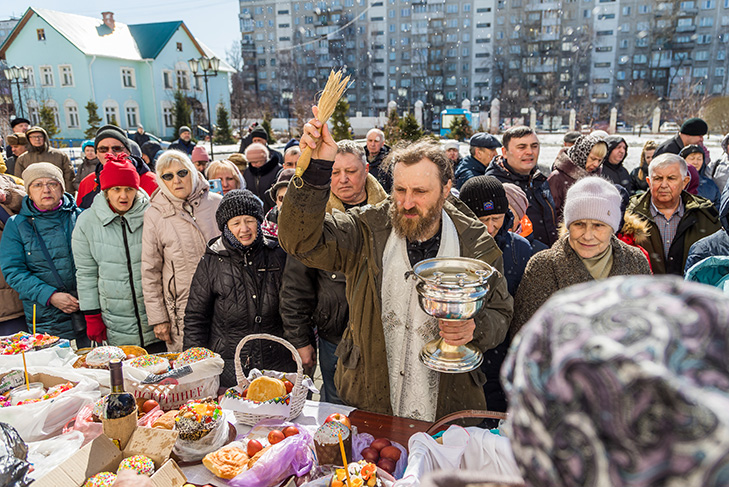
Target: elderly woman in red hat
point(107, 248)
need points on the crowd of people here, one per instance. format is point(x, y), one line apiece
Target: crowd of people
point(168, 250)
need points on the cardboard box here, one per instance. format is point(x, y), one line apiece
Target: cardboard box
point(102, 455)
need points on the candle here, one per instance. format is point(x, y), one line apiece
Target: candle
point(25, 367)
point(344, 458)
point(34, 320)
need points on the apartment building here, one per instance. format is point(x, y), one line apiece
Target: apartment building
point(434, 51)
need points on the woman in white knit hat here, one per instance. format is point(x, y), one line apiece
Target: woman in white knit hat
point(588, 250)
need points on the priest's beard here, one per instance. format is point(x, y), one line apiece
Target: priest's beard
point(415, 229)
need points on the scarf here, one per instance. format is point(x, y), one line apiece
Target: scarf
point(407, 328)
point(235, 243)
point(599, 266)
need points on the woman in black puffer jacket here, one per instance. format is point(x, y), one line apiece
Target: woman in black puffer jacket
point(235, 289)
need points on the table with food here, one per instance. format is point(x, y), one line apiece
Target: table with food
point(99, 411)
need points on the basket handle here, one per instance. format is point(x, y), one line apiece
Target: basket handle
point(241, 378)
point(468, 413)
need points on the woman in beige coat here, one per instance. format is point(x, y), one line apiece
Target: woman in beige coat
point(177, 228)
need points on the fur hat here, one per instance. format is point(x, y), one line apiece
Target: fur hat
point(236, 203)
point(593, 198)
point(43, 170)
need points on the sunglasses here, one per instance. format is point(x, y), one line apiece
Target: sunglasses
point(182, 173)
point(117, 149)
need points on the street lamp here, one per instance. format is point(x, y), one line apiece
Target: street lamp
point(17, 75)
point(209, 67)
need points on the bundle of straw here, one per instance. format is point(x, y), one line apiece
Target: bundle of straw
point(333, 91)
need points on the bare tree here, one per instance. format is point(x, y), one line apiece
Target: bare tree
point(687, 99)
point(638, 106)
point(716, 114)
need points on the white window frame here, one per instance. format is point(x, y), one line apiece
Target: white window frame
point(111, 107)
point(31, 77)
point(34, 112)
point(182, 79)
point(63, 75)
point(168, 119)
point(125, 70)
point(53, 105)
point(71, 109)
point(46, 71)
point(170, 77)
point(131, 107)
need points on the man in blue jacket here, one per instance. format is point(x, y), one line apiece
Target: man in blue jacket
point(483, 149)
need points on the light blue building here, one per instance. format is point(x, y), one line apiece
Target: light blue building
point(131, 71)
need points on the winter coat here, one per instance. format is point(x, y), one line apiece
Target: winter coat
point(233, 294)
point(560, 267)
point(561, 179)
point(639, 184)
point(260, 179)
point(616, 172)
point(45, 153)
point(670, 146)
point(541, 210)
point(313, 298)
point(708, 188)
point(140, 139)
point(516, 251)
point(354, 243)
point(635, 232)
point(174, 239)
point(382, 175)
point(10, 305)
point(700, 219)
point(107, 248)
point(182, 146)
point(719, 169)
point(713, 271)
point(88, 166)
point(468, 168)
point(715, 244)
point(26, 269)
point(89, 186)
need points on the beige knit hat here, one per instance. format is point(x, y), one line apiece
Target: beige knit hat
point(42, 170)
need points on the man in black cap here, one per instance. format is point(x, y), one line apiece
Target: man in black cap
point(692, 132)
point(259, 135)
point(483, 150)
point(184, 143)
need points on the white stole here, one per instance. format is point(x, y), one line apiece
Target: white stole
point(407, 328)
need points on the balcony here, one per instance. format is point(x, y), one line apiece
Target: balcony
point(686, 28)
point(540, 7)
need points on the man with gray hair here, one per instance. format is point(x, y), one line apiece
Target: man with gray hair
point(376, 151)
point(312, 298)
point(291, 156)
point(676, 219)
point(261, 173)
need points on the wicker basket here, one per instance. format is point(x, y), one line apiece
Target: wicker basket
point(297, 395)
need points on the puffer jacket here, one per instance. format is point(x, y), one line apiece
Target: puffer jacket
point(233, 294)
point(700, 219)
point(377, 168)
point(26, 269)
point(541, 210)
point(175, 237)
point(45, 153)
point(715, 244)
point(708, 188)
point(617, 172)
point(719, 169)
point(713, 271)
point(10, 305)
point(107, 248)
point(260, 179)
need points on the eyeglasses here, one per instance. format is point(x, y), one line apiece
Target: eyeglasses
point(182, 173)
point(52, 185)
point(117, 149)
point(35, 137)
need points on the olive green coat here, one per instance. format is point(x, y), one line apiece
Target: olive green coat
point(353, 243)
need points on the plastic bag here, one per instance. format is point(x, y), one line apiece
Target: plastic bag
point(85, 424)
point(291, 456)
point(44, 419)
point(360, 441)
point(59, 355)
point(48, 454)
point(192, 451)
point(13, 454)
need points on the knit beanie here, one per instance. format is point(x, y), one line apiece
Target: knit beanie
point(694, 126)
point(291, 143)
point(517, 199)
point(39, 170)
point(112, 132)
point(259, 132)
point(236, 203)
point(593, 198)
point(485, 195)
point(118, 171)
point(184, 128)
point(86, 144)
point(691, 149)
point(199, 153)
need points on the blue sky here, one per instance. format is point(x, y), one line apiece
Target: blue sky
point(214, 22)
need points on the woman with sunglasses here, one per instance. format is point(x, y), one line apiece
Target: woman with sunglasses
point(107, 248)
point(177, 227)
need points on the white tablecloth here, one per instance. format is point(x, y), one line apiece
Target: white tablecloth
point(311, 418)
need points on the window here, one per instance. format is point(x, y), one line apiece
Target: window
point(72, 119)
point(167, 116)
point(641, 42)
point(34, 113)
point(707, 4)
point(644, 9)
point(624, 43)
point(132, 114)
point(719, 71)
point(179, 46)
point(640, 59)
point(624, 28)
point(46, 74)
point(701, 72)
point(167, 80)
point(626, 11)
point(701, 56)
point(452, 8)
point(54, 109)
point(467, 7)
point(111, 113)
point(66, 75)
point(703, 39)
point(128, 80)
point(183, 83)
point(706, 21)
point(41, 33)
